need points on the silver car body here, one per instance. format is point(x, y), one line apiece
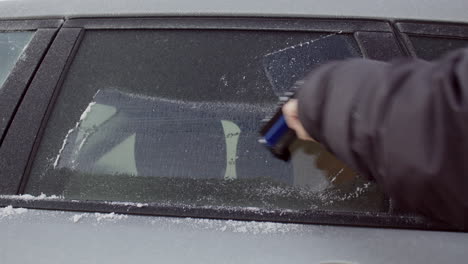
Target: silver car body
point(41, 236)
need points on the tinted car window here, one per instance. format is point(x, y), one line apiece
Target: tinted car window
point(172, 116)
point(430, 48)
point(12, 45)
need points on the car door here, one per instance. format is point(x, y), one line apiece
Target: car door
point(139, 141)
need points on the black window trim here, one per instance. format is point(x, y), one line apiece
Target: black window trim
point(19, 78)
point(366, 219)
point(388, 39)
point(31, 119)
point(242, 23)
point(433, 28)
point(22, 133)
point(29, 24)
point(407, 28)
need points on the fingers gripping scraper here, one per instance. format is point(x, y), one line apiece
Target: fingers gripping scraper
point(275, 133)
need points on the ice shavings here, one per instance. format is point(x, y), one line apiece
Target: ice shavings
point(223, 79)
point(23, 56)
point(76, 218)
point(10, 211)
point(250, 227)
point(330, 197)
point(65, 140)
point(139, 205)
point(83, 141)
point(256, 227)
point(110, 216)
point(113, 217)
point(86, 111)
point(301, 44)
point(77, 125)
point(28, 197)
point(234, 106)
point(336, 175)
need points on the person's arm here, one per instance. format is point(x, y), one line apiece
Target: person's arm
point(404, 124)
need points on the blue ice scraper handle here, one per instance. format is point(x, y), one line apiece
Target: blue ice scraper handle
point(275, 133)
point(277, 137)
point(277, 130)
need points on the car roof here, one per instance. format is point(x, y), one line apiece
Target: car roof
point(435, 10)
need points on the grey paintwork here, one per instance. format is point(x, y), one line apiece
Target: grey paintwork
point(53, 237)
point(453, 10)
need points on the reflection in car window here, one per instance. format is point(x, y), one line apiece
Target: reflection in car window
point(172, 116)
point(431, 48)
point(12, 45)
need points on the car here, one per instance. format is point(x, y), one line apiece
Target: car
point(128, 133)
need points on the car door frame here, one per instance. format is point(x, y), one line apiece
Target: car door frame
point(25, 133)
point(18, 79)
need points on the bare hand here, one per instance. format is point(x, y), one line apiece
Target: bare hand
point(292, 119)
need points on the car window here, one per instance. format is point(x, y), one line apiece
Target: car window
point(172, 117)
point(430, 48)
point(12, 45)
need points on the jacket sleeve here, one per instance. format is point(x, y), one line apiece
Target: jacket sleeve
point(404, 124)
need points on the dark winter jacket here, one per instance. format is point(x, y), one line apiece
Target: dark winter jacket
point(403, 124)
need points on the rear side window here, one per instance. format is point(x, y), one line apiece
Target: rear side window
point(431, 41)
point(172, 116)
point(431, 48)
point(12, 45)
